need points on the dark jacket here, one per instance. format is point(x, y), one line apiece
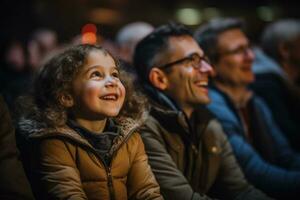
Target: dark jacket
point(270, 165)
point(67, 166)
point(283, 100)
point(191, 158)
point(13, 184)
point(280, 94)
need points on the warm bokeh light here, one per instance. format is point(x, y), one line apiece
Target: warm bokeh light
point(89, 38)
point(105, 16)
point(89, 28)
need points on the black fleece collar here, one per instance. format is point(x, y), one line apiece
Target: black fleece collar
point(172, 118)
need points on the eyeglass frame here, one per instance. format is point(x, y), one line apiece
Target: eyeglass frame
point(187, 58)
point(238, 51)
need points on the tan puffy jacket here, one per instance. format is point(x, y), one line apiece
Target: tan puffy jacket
point(68, 167)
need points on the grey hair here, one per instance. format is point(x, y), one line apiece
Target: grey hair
point(132, 33)
point(280, 32)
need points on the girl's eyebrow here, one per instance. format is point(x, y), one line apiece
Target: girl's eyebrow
point(91, 68)
point(99, 66)
point(116, 68)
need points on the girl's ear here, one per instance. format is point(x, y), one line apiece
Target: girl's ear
point(66, 100)
point(158, 78)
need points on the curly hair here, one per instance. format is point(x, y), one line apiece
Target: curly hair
point(56, 77)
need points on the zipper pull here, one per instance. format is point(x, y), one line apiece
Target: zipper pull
point(109, 176)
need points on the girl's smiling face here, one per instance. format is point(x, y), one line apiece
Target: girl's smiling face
point(97, 90)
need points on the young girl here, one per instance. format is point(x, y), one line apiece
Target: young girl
point(80, 146)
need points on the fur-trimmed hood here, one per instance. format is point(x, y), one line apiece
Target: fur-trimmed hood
point(32, 129)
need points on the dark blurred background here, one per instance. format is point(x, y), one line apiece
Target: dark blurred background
point(20, 17)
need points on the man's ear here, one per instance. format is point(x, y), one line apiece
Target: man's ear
point(66, 100)
point(284, 51)
point(158, 78)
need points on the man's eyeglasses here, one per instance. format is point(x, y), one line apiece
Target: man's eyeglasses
point(194, 60)
point(241, 50)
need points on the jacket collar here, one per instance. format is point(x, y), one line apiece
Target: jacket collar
point(32, 129)
point(159, 99)
point(169, 113)
point(228, 101)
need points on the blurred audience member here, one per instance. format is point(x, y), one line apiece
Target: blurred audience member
point(259, 145)
point(277, 70)
point(13, 182)
point(15, 55)
point(281, 42)
point(43, 42)
point(99, 40)
point(129, 36)
point(14, 72)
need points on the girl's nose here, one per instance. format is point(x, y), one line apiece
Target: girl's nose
point(110, 82)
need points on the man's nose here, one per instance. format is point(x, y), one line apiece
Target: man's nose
point(207, 68)
point(249, 54)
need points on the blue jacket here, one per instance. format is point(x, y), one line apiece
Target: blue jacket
point(279, 178)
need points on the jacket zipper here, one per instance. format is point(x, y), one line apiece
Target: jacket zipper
point(108, 169)
point(108, 174)
point(203, 172)
point(110, 182)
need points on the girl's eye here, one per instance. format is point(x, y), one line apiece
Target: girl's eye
point(115, 74)
point(96, 74)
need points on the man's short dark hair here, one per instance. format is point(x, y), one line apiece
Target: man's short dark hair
point(152, 45)
point(207, 34)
